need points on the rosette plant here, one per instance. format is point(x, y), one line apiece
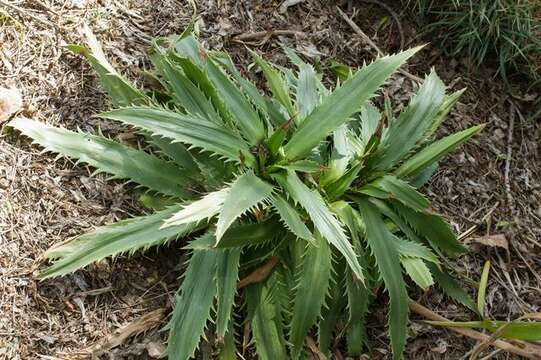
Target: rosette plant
point(306, 193)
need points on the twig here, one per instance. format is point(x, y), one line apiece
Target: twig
point(266, 35)
point(120, 335)
point(485, 344)
point(526, 350)
point(509, 154)
point(259, 274)
point(394, 16)
point(369, 41)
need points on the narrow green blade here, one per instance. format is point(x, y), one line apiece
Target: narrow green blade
point(307, 91)
point(384, 248)
point(417, 271)
point(227, 274)
point(246, 192)
point(193, 304)
point(413, 123)
point(187, 129)
point(240, 108)
point(435, 152)
point(125, 236)
point(122, 93)
point(433, 227)
point(264, 316)
point(291, 218)
point(276, 83)
point(108, 156)
point(520, 330)
point(452, 288)
point(324, 220)
point(337, 108)
point(402, 191)
point(311, 288)
point(202, 209)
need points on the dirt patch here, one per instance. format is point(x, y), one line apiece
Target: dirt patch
point(493, 183)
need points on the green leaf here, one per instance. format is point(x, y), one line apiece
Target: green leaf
point(177, 153)
point(448, 103)
point(334, 311)
point(311, 288)
point(411, 249)
point(264, 318)
point(291, 218)
point(452, 288)
point(324, 220)
point(246, 192)
point(337, 108)
point(122, 93)
point(417, 271)
point(242, 235)
point(307, 91)
point(413, 123)
point(109, 156)
point(433, 228)
point(435, 152)
point(185, 93)
point(227, 273)
point(187, 129)
point(307, 166)
point(370, 118)
point(402, 191)
point(202, 209)
point(125, 236)
point(519, 330)
point(276, 83)
point(384, 248)
point(193, 304)
point(340, 156)
point(240, 108)
point(358, 300)
point(483, 288)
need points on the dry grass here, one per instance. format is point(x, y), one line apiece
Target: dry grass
point(44, 202)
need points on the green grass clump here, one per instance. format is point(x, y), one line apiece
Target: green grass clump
point(506, 30)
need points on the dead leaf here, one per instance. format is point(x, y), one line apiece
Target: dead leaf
point(10, 102)
point(496, 240)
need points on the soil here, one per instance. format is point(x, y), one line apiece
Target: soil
point(491, 185)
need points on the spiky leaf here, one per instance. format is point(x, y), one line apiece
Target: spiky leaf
point(227, 273)
point(246, 192)
point(311, 288)
point(193, 304)
point(387, 258)
point(108, 156)
point(125, 236)
point(337, 108)
point(324, 220)
point(292, 219)
point(188, 129)
point(435, 152)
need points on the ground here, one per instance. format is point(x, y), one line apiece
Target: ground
point(492, 184)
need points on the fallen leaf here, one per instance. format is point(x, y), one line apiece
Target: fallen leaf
point(496, 240)
point(10, 102)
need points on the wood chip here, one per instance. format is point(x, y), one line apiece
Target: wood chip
point(10, 102)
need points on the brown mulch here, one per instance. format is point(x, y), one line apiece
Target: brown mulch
point(43, 201)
